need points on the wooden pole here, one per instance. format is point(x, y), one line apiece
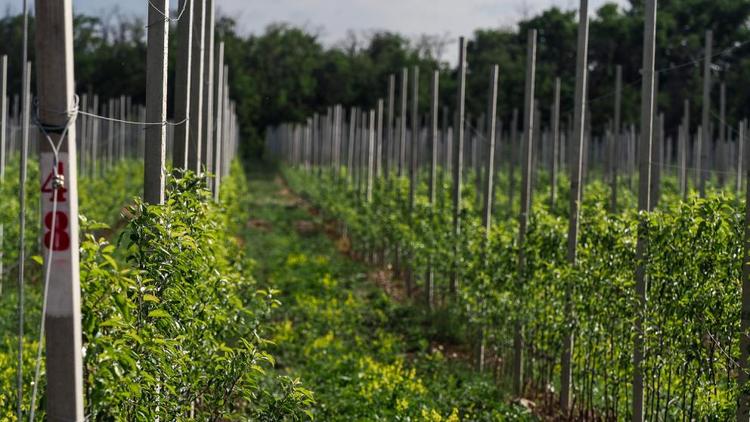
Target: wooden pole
point(350, 144)
point(644, 185)
point(458, 158)
point(487, 197)
point(434, 134)
point(389, 125)
point(55, 90)
point(434, 105)
point(225, 125)
point(182, 85)
point(402, 137)
point(208, 90)
point(490, 151)
point(81, 122)
point(576, 171)
point(743, 408)
point(26, 98)
point(740, 155)
point(656, 151)
point(684, 149)
point(370, 155)
point(123, 116)
point(95, 144)
point(219, 102)
point(378, 141)
point(616, 137)
point(414, 139)
point(3, 132)
point(196, 86)
point(526, 197)
point(308, 141)
point(704, 142)
point(156, 102)
point(554, 158)
point(23, 170)
point(720, 148)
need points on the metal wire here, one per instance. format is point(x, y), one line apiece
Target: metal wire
point(133, 122)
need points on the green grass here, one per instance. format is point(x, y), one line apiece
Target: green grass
point(365, 356)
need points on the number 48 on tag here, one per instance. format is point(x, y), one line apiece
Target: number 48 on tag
point(56, 236)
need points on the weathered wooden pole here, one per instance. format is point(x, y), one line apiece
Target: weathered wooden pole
point(644, 185)
point(3, 132)
point(379, 139)
point(414, 139)
point(526, 197)
point(22, 177)
point(434, 93)
point(325, 138)
point(81, 122)
point(306, 148)
point(111, 137)
point(364, 141)
point(58, 177)
point(537, 148)
point(219, 101)
point(402, 136)
point(458, 158)
point(156, 102)
point(390, 141)
point(684, 149)
point(704, 143)
point(657, 146)
point(490, 151)
point(225, 125)
point(446, 147)
point(182, 85)
point(720, 148)
point(740, 155)
point(123, 110)
point(370, 155)
point(743, 407)
point(208, 90)
point(487, 197)
point(576, 172)
point(26, 99)
point(196, 86)
point(616, 137)
point(350, 145)
point(335, 141)
point(555, 152)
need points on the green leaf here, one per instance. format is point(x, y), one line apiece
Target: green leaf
point(159, 313)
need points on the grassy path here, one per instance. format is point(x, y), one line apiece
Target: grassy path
point(365, 356)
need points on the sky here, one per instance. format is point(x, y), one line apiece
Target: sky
point(333, 19)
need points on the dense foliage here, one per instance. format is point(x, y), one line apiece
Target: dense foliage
point(693, 267)
point(172, 321)
point(287, 73)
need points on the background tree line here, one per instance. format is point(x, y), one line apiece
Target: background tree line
point(285, 73)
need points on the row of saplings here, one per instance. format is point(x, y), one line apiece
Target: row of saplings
point(173, 323)
point(693, 266)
